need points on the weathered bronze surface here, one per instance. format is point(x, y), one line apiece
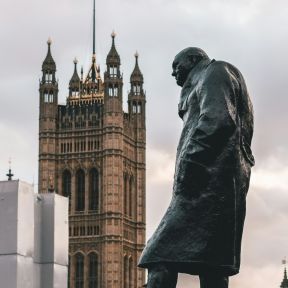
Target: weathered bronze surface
point(201, 232)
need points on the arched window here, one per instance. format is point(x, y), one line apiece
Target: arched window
point(126, 272)
point(130, 203)
point(48, 97)
point(136, 89)
point(79, 270)
point(66, 185)
point(93, 190)
point(80, 190)
point(110, 91)
point(51, 97)
point(113, 71)
point(93, 270)
point(126, 194)
point(139, 108)
point(69, 271)
point(131, 273)
point(48, 77)
point(113, 90)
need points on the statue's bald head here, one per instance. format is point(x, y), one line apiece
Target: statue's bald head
point(185, 61)
point(191, 52)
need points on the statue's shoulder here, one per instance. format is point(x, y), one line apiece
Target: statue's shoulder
point(218, 69)
point(220, 65)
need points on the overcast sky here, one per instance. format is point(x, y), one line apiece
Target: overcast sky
point(251, 34)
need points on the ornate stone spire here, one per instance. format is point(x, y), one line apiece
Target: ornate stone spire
point(113, 57)
point(136, 75)
point(49, 63)
point(75, 77)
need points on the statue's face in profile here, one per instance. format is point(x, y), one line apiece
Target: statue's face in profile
point(181, 67)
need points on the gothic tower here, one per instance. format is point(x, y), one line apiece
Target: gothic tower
point(93, 152)
point(47, 122)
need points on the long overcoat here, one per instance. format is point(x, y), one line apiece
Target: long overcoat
point(202, 228)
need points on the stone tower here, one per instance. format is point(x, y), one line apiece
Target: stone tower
point(94, 153)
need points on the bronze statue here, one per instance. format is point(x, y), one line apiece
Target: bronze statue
point(201, 232)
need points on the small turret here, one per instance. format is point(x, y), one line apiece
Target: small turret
point(74, 84)
point(113, 61)
point(113, 57)
point(48, 85)
point(113, 80)
point(136, 97)
point(48, 118)
point(49, 66)
point(136, 76)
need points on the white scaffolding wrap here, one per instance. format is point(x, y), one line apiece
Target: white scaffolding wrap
point(33, 237)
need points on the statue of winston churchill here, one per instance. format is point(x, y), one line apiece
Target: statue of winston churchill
point(200, 234)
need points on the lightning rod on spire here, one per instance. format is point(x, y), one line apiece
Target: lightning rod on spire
point(94, 28)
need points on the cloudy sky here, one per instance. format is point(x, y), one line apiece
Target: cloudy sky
point(251, 34)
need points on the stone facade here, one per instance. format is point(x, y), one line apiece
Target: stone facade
point(94, 153)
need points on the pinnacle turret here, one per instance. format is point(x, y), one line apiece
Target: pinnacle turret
point(75, 80)
point(113, 57)
point(74, 84)
point(136, 75)
point(49, 63)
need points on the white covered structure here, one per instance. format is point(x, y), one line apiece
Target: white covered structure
point(33, 237)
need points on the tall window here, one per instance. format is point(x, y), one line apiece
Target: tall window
point(136, 89)
point(134, 108)
point(126, 272)
point(69, 271)
point(113, 90)
point(93, 190)
point(66, 185)
point(113, 71)
point(48, 77)
point(48, 97)
point(79, 270)
point(139, 108)
point(126, 194)
point(80, 190)
point(93, 270)
point(130, 204)
point(130, 273)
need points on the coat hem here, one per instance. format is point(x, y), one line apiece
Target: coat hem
point(194, 267)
